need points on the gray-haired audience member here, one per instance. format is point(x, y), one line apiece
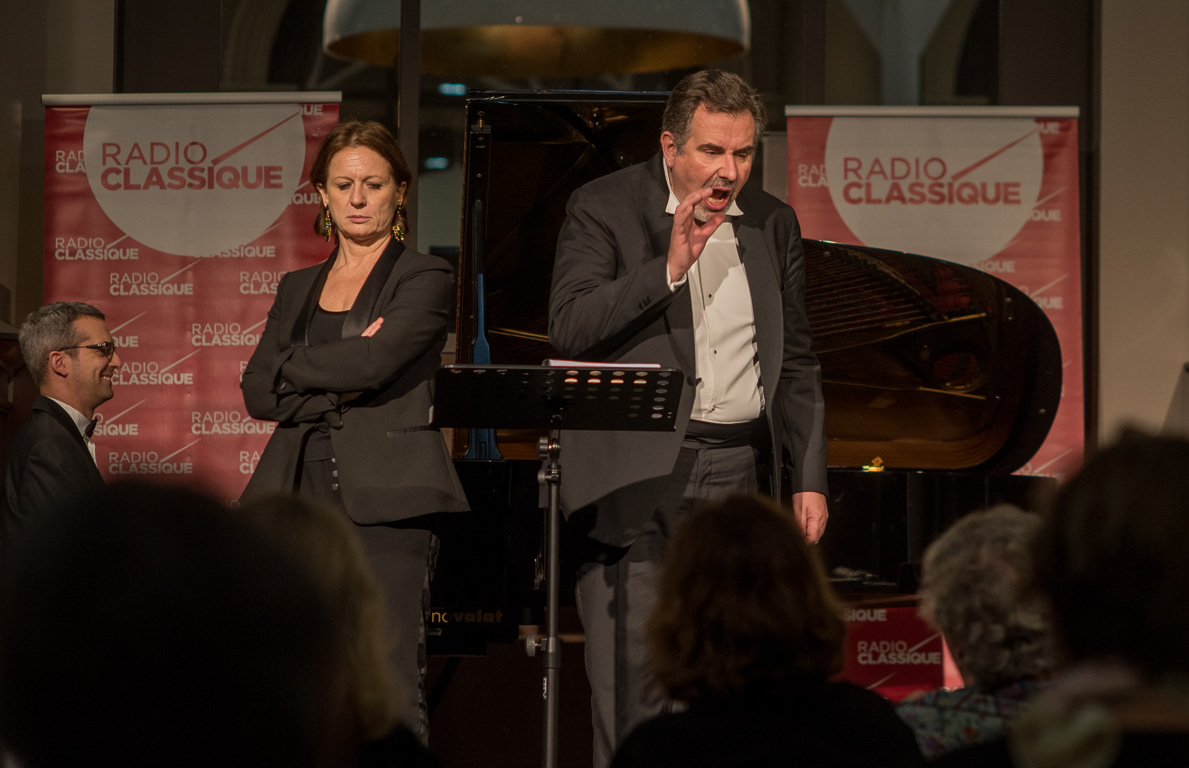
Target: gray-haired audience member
point(148, 626)
point(973, 588)
point(1110, 560)
point(72, 358)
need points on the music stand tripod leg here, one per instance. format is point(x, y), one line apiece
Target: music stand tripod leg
point(550, 474)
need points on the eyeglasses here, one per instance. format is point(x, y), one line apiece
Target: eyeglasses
point(105, 348)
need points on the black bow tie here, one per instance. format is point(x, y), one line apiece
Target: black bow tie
point(90, 430)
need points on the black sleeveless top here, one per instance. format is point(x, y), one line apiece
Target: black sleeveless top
point(325, 327)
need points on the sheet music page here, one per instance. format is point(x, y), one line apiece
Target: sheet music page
point(590, 364)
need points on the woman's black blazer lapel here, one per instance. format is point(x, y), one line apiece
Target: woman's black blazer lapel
point(358, 318)
point(300, 335)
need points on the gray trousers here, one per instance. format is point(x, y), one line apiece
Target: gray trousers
point(616, 591)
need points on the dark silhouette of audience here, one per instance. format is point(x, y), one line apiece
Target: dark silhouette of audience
point(149, 626)
point(1110, 561)
point(325, 541)
point(974, 588)
point(747, 634)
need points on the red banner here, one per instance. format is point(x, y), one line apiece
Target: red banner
point(176, 216)
point(989, 187)
point(894, 652)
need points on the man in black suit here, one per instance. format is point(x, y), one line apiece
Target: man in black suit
point(675, 261)
point(72, 357)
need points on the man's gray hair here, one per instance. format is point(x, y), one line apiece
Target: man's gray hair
point(974, 588)
point(719, 92)
point(48, 328)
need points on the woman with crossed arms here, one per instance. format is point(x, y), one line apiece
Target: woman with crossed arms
point(345, 367)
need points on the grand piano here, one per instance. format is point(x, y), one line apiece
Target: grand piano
point(940, 380)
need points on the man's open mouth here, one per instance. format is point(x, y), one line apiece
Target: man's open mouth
point(719, 197)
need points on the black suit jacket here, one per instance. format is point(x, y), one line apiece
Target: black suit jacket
point(48, 466)
point(610, 301)
point(391, 464)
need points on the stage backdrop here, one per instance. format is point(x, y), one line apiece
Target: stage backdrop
point(176, 215)
point(991, 187)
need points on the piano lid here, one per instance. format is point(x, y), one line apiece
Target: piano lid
point(926, 364)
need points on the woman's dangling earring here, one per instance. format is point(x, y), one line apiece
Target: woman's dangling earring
point(327, 224)
point(398, 231)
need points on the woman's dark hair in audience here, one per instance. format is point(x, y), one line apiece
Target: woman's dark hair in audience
point(743, 606)
point(323, 539)
point(148, 626)
point(1111, 557)
point(974, 588)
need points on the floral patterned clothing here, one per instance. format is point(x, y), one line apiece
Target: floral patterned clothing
point(946, 720)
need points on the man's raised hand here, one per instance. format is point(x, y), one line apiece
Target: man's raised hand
point(690, 235)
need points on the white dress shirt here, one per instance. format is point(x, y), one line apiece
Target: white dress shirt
point(727, 360)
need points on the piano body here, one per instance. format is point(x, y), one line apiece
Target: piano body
point(944, 377)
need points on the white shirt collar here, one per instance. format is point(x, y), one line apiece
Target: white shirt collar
point(671, 206)
point(80, 421)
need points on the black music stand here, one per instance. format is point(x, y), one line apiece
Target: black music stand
point(569, 395)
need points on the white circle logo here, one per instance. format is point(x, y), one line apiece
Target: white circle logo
point(194, 180)
point(952, 188)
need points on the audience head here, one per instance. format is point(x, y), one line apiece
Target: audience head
point(322, 538)
point(743, 606)
point(974, 588)
point(149, 626)
point(1110, 558)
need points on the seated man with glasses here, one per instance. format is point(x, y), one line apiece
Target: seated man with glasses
point(72, 357)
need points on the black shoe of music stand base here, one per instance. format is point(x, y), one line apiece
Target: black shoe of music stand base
point(543, 397)
point(585, 396)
